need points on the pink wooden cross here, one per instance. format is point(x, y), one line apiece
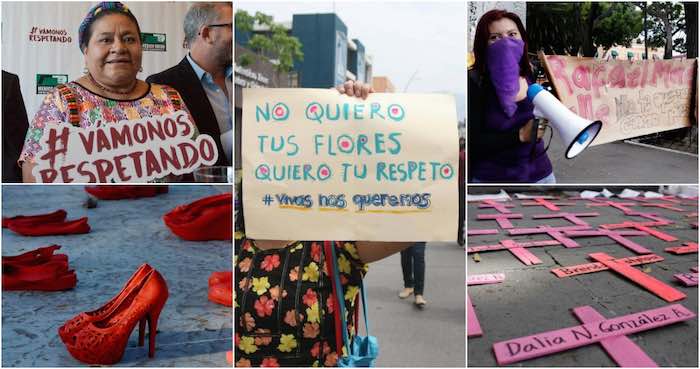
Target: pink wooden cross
point(644, 228)
point(688, 248)
point(502, 219)
point(617, 205)
point(656, 220)
point(516, 248)
point(539, 201)
point(499, 206)
point(571, 217)
point(555, 232)
point(672, 199)
point(652, 284)
point(597, 267)
point(666, 206)
point(594, 329)
point(473, 326)
point(688, 279)
point(478, 232)
point(618, 236)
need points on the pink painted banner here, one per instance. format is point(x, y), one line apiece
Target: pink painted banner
point(688, 279)
point(620, 348)
point(485, 278)
point(547, 343)
point(631, 98)
point(473, 326)
point(596, 267)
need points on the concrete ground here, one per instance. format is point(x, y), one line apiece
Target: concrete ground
point(192, 331)
point(409, 337)
point(621, 162)
point(533, 300)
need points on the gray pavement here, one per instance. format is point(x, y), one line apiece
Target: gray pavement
point(621, 162)
point(533, 300)
point(409, 337)
point(192, 331)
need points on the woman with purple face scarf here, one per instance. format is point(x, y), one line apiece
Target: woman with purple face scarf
point(502, 145)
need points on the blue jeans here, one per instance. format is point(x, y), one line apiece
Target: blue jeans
point(413, 267)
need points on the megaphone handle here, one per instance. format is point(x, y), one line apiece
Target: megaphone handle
point(533, 137)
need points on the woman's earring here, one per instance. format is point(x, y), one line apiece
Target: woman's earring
point(85, 70)
point(141, 69)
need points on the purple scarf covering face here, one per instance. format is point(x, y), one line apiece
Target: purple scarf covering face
point(504, 69)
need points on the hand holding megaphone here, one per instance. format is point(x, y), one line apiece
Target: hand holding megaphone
point(576, 132)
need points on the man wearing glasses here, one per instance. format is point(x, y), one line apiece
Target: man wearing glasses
point(204, 77)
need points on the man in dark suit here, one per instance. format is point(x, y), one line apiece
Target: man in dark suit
point(204, 78)
point(14, 127)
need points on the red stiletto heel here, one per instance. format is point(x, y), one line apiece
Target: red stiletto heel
point(221, 288)
point(33, 257)
point(103, 341)
point(75, 324)
point(37, 270)
point(142, 330)
point(77, 226)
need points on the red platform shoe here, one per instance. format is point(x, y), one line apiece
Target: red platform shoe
point(56, 216)
point(77, 226)
point(119, 192)
point(210, 218)
point(103, 341)
point(78, 322)
point(221, 288)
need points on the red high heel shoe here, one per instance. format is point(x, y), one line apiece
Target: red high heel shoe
point(33, 257)
point(103, 341)
point(37, 270)
point(56, 216)
point(210, 218)
point(77, 226)
point(78, 322)
point(119, 192)
point(221, 288)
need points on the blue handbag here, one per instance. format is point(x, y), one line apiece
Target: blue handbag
point(364, 350)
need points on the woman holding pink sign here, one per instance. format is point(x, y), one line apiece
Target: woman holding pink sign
point(108, 92)
point(502, 145)
point(285, 310)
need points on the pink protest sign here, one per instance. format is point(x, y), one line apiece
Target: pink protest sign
point(502, 219)
point(516, 248)
point(644, 228)
point(547, 343)
point(478, 232)
point(596, 267)
point(618, 236)
point(652, 284)
point(630, 98)
point(688, 248)
point(485, 278)
point(571, 217)
point(688, 279)
point(541, 201)
point(620, 348)
point(498, 206)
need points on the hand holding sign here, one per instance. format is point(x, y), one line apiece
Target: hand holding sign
point(317, 165)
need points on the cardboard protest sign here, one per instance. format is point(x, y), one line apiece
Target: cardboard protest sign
point(138, 150)
point(318, 165)
point(631, 98)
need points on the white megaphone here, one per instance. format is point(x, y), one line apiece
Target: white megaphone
point(576, 132)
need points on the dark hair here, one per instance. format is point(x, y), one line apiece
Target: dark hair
point(88, 31)
point(481, 41)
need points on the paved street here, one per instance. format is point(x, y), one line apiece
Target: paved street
point(533, 300)
point(621, 162)
point(409, 337)
point(192, 331)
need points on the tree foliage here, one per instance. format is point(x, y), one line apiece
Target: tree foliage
point(573, 28)
point(667, 21)
point(274, 43)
